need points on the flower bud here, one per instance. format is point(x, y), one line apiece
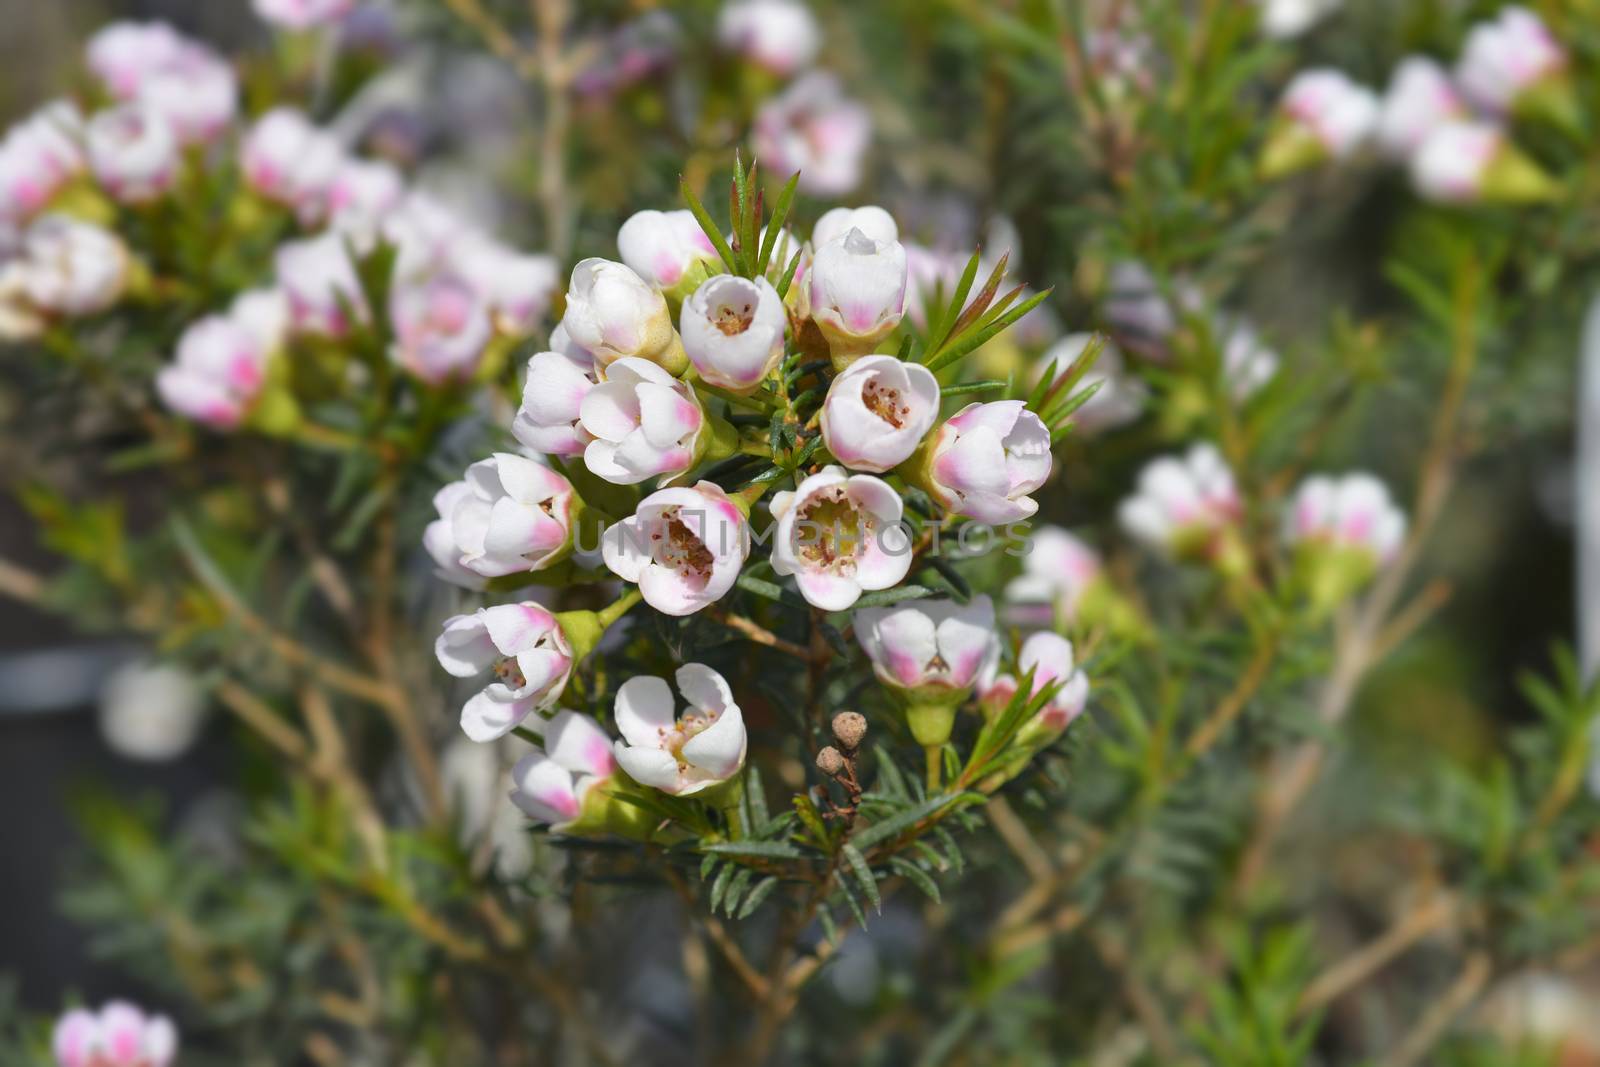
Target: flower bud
point(362, 194)
point(529, 653)
point(38, 156)
point(549, 419)
point(1420, 99)
point(197, 93)
point(516, 516)
point(668, 249)
point(118, 1035)
point(123, 54)
point(441, 327)
point(1186, 507)
point(680, 756)
point(840, 534)
point(850, 729)
point(733, 330)
point(1342, 530)
point(1050, 657)
point(563, 785)
point(1466, 162)
point(219, 371)
point(303, 14)
point(72, 267)
point(985, 460)
point(871, 220)
point(643, 422)
point(929, 651)
point(811, 127)
point(1324, 116)
point(830, 761)
point(858, 293)
point(616, 314)
point(683, 547)
point(780, 36)
point(289, 161)
point(878, 411)
point(133, 153)
point(321, 283)
point(1507, 62)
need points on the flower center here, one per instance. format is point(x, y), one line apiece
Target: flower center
point(509, 673)
point(733, 319)
point(682, 732)
point(832, 530)
point(884, 402)
point(680, 548)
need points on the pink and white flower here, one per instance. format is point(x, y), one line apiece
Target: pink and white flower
point(1338, 114)
point(361, 196)
point(1247, 363)
point(871, 220)
point(38, 156)
point(118, 1035)
point(197, 93)
point(987, 458)
point(878, 411)
point(933, 649)
point(551, 786)
point(441, 328)
point(733, 330)
point(303, 14)
point(1505, 58)
point(70, 267)
point(123, 54)
point(133, 153)
point(1354, 513)
point(290, 161)
point(1050, 657)
point(858, 293)
point(1420, 99)
point(322, 285)
point(1058, 569)
point(616, 314)
point(1121, 395)
point(778, 35)
point(439, 538)
point(1465, 162)
point(683, 547)
point(530, 656)
point(519, 287)
point(549, 419)
point(643, 422)
point(840, 535)
point(1184, 504)
point(665, 247)
point(680, 755)
point(514, 515)
point(221, 363)
point(1285, 19)
point(813, 128)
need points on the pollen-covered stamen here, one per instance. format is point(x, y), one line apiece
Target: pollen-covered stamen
point(509, 673)
point(832, 531)
point(885, 402)
point(682, 732)
point(674, 544)
point(733, 318)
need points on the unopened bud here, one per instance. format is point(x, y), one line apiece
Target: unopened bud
point(849, 727)
point(829, 761)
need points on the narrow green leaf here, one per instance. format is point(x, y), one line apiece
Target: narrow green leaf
point(851, 902)
point(788, 275)
point(987, 385)
point(712, 230)
point(780, 850)
point(973, 339)
point(780, 215)
point(979, 304)
point(763, 889)
point(885, 597)
point(892, 827)
point(916, 876)
point(863, 870)
point(720, 886)
point(736, 888)
point(948, 314)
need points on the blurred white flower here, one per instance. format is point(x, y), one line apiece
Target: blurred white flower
point(133, 153)
point(1507, 57)
point(151, 711)
point(118, 1035)
point(289, 160)
point(70, 267)
point(303, 14)
point(813, 128)
point(1121, 396)
point(780, 35)
point(322, 286)
point(37, 157)
point(1284, 19)
point(1420, 99)
point(1184, 504)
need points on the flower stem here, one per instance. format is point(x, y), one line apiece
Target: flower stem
point(620, 608)
point(935, 759)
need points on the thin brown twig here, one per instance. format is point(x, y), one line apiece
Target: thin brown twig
point(19, 583)
point(260, 717)
point(1427, 917)
point(761, 635)
point(1442, 1014)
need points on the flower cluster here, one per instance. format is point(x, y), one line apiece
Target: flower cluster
point(118, 1035)
point(1447, 127)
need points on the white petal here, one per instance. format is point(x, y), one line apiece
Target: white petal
point(719, 748)
point(644, 707)
point(704, 688)
point(648, 766)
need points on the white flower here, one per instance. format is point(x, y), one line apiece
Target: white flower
point(133, 152)
point(1283, 19)
point(361, 196)
point(1504, 58)
point(1420, 99)
point(680, 755)
point(1122, 395)
point(1183, 504)
point(1057, 570)
point(197, 93)
point(733, 330)
point(509, 515)
point(664, 247)
point(987, 458)
point(878, 411)
point(38, 156)
point(1354, 512)
point(550, 786)
point(321, 284)
point(441, 328)
point(219, 370)
point(1337, 112)
point(151, 711)
point(936, 647)
point(1247, 363)
point(526, 648)
point(303, 14)
point(549, 418)
point(1139, 312)
point(682, 546)
point(118, 1035)
point(1462, 162)
point(1050, 657)
point(643, 422)
point(439, 537)
point(871, 220)
point(858, 292)
point(518, 287)
point(614, 313)
point(123, 54)
point(840, 535)
point(72, 267)
point(811, 127)
point(288, 160)
point(780, 35)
